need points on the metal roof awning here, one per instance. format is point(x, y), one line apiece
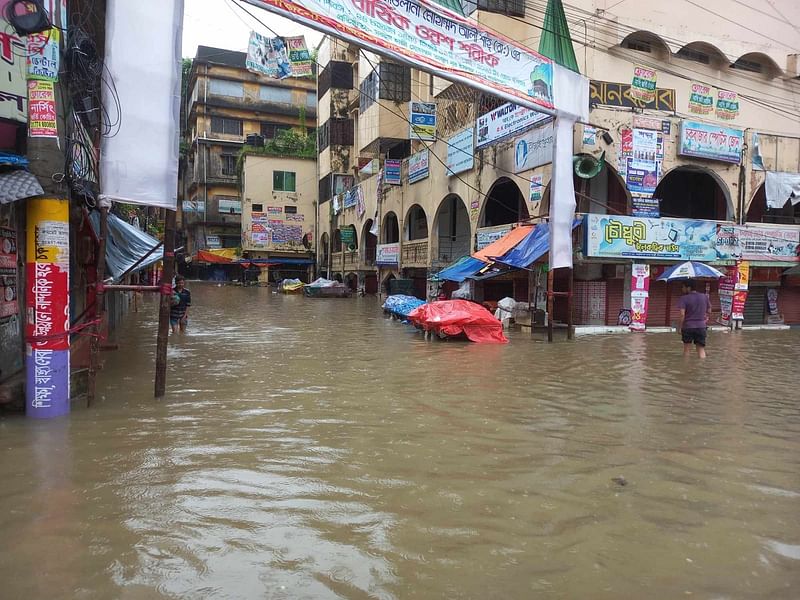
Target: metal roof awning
point(17, 185)
point(128, 250)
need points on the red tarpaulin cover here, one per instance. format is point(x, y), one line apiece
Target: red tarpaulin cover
point(453, 317)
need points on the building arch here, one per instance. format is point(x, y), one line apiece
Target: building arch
point(337, 241)
point(503, 205)
point(351, 280)
point(369, 243)
point(757, 62)
point(415, 225)
point(648, 42)
point(452, 231)
point(355, 238)
point(693, 192)
point(390, 230)
point(324, 249)
point(703, 53)
point(759, 212)
point(605, 193)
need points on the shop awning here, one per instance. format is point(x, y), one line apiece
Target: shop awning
point(460, 270)
point(530, 249)
point(504, 244)
point(126, 245)
point(279, 260)
point(16, 185)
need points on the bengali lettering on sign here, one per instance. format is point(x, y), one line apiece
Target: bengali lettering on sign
point(422, 121)
point(701, 102)
point(418, 166)
point(460, 153)
point(607, 93)
point(715, 142)
point(643, 86)
point(392, 169)
point(13, 67)
point(42, 109)
point(640, 295)
point(426, 34)
point(43, 55)
point(505, 121)
point(727, 105)
point(8, 273)
point(534, 149)
point(751, 242)
point(388, 255)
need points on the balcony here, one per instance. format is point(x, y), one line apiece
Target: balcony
point(369, 256)
point(415, 253)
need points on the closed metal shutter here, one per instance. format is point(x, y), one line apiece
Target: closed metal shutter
point(615, 300)
point(754, 306)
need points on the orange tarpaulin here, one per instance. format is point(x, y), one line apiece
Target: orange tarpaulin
point(504, 244)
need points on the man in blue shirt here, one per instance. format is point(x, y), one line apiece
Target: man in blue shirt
point(695, 311)
point(181, 301)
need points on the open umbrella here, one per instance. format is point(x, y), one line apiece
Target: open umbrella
point(690, 270)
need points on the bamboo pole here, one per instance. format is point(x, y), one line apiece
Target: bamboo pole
point(166, 298)
point(570, 305)
point(550, 305)
point(100, 273)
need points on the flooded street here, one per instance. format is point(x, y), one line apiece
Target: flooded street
point(313, 449)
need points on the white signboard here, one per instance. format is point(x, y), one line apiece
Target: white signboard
point(388, 255)
point(213, 241)
point(194, 205)
point(460, 153)
point(505, 121)
point(423, 121)
point(534, 149)
point(418, 166)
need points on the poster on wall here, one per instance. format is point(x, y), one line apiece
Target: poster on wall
point(536, 189)
point(534, 149)
point(727, 105)
point(13, 67)
point(43, 55)
point(8, 274)
point(460, 152)
point(641, 154)
point(643, 86)
point(701, 102)
point(505, 121)
point(613, 236)
point(422, 120)
point(640, 295)
point(589, 135)
point(42, 109)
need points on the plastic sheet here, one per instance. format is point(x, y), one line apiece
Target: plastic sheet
point(401, 305)
point(454, 317)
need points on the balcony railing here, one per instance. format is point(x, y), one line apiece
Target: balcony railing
point(369, 256)
point(451, 250)
point(415, 253)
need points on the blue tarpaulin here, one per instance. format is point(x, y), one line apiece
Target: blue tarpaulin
point(460, 270)
point(532, 247)
point(125, 245)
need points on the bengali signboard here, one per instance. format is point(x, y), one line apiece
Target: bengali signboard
point(299, 56)
point(715, 142)
point(13, 67)
point(701, 102)
point(611, 236)
point(8, 273)
point(392, 171)
point(488, 235)
point(388, 255)
point(42, 109)
point(418, 166)
point(643, 86)
point(460, 152)
point(640, 295)
point(423, 121)
point(534, 149)
point(727, 105)
point(229, 206)
point(268, 56)
point(505, 121)
point(608, 93)
point(435, 39)
point(749, 242)
point(43, 55)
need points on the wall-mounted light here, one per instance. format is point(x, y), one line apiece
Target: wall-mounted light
point(607, 138)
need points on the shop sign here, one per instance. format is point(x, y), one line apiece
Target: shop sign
point(213, 241)
point(391, 172)
point(14, 96)
point(8, 273)
point(193, 205)
point(460, 152)
point(779, 244)
point(423, 121)
point(610, 236)
point(714, 142)
point(489, 235)
point(646, 206)
point(640, 295)
point(727, 105)
point(43, 54)
point(534, 149)
point(388, 255)
point(230, 206)
point(536, 189)
point(505, 121)
point(42, 109)
point(347, 235)
point(606, 93)
point(418, 166)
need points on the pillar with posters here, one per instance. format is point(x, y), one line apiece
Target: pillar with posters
point(640, 296)
point(47, 309)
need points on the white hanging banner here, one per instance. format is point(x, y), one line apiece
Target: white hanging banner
point(139, 160)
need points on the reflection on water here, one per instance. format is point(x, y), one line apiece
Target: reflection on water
point(312, 449)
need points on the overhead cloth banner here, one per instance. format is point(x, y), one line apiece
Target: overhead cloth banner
point(427, 36)
point(139, 159)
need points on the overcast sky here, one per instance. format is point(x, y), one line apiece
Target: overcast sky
point(219, 23)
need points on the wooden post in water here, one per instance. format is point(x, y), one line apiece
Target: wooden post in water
point(550, 305)
point(94, 348)
point(166, 300)
point(570, 305)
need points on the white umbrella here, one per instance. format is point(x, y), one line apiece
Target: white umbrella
point(690, 270)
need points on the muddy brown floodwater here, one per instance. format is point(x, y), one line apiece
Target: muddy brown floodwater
point(313, 449)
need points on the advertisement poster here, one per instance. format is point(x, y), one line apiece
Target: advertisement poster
point(537, 189)
point(505, 121)
point(229, 206)
point(727, 105)
point(350, 199)
point(42, 109)
point(392, 171)
point(418, 166)
point(643, 86)
point(43, 55)
point(388, 255)
point(645, 149)
point(341, 183)
point(534, 149)
point(715, 142)
point(589, 135)
point(752, 242)
point(13, 72)
point(460, 151)
point(632, 237)
point(726, 288)
point(361, 207)
point(8, 273)
point(640, 295)
point(645, 206)
point(701, 100)
point(268, 56)
point(423, 121)
point(299, 56)
point(640, 181)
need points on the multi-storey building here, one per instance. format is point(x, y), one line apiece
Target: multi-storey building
point(472, 183)
point(225, 103)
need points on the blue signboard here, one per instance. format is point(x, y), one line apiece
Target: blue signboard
point(418, 166)
point(391, 172)
point(715, 142)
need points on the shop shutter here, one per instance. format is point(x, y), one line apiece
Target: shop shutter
point(590, 302)
point(754, 308)
point(789, 304)
point(658, 305)
point(615, 300)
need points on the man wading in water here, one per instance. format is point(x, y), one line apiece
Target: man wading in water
point(695, 312)
point(181, 301)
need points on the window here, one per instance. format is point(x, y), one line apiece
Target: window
point(748, 65)
point(694, 55)
point(638, 45)
point(226, 126)
point(325, 188)
point(290, 210)
point(223, 87)
point(228, 162)
point(394, 82)
point(284, 181)
point(514, 8)
point(257, 208)
point(324, 136)
point(367, 91)
point(270, 93)
point(311, 100)
point(336, 74)
point(272, 130)
point(336, 132)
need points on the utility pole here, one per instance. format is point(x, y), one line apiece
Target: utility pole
point(166, 303)
point(100, 270)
